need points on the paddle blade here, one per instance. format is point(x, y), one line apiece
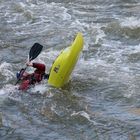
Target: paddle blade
point(35, 51)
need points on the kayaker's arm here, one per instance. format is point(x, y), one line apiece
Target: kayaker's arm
point(40, 67)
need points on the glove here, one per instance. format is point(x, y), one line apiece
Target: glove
point(29, 63)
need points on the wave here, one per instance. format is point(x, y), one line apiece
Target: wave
point(6, 71)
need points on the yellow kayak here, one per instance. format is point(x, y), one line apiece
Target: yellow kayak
point(65, 62)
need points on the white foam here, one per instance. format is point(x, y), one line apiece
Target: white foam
point(84, 114)
point(6, 70)
point(66, 16)
point(131, 22)
point(2, 96)
point(39, 88)
point(9, 88)
point(136, 48)
point(80, 25)
point(2, 92)
point(48, 54)
point(100, 35)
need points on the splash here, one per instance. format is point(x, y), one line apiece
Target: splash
point(83, 114)
point(131, 22)
point(6, 70)
point(39, 89)
point(8, 89)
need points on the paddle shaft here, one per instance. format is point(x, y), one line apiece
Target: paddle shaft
point(21, 75)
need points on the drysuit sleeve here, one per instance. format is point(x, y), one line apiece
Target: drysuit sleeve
point(39, 67)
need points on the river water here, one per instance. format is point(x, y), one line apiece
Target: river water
point(102, 99)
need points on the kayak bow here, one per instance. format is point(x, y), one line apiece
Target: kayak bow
point(65, 63)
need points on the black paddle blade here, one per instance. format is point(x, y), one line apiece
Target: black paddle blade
point(35, 51)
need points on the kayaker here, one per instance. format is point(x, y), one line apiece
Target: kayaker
point(28, 79)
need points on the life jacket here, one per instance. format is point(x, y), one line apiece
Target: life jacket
point(33, 78)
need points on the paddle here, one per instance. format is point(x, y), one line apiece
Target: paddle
point(34, 52)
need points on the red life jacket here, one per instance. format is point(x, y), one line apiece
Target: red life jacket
point(33, 78)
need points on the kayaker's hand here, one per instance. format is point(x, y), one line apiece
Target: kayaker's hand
point(29, 64)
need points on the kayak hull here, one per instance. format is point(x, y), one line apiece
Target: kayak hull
point(65, 63)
